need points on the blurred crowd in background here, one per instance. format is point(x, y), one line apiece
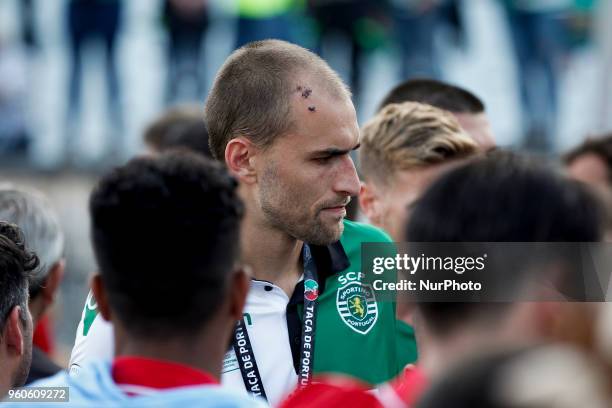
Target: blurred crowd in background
point(80, 80)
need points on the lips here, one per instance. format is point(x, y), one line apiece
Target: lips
point(338, 207)
point(340, 210)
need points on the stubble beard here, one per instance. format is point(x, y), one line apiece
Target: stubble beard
point(280, 213)
point(311, 230)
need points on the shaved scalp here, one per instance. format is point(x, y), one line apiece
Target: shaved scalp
point(252, 92)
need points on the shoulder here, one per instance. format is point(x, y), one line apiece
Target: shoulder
point(332, 391)
point(232, 398)
point(408, 387)
point(357, 231)
point(202, 396)
point(93, 384)
point(61, 379)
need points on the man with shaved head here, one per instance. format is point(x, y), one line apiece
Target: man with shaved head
point(283, 123)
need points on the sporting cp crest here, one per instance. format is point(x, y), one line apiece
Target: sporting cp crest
point(357, 306)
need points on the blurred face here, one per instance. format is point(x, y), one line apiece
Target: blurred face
point(394, 201)
point(478, 127)
point(591, 169)
point(307, 176)
point(400, 196)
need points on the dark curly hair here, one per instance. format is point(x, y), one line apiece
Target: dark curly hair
point(165, 233)
point(16, 265)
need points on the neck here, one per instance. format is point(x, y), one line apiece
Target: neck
point(9, 369)
point(201, 351)
point(273, 255)
point(5, 384)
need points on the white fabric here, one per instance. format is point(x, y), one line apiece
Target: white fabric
point(270, 340)
point(97, 345)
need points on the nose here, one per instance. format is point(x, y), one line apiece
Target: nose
point(347, 181)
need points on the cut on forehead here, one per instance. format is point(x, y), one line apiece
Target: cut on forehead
point(320, 80)
point(310, 92)
point(252, 92)
point(323, 120)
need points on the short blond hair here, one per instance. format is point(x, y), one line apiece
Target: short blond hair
point(411, 135)
point(251, 95)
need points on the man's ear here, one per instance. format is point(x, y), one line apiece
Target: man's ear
point(100, 294)
point(52, 282)
point(369, 202)
point(238, 290)
point(239, 154)
point(13, 332)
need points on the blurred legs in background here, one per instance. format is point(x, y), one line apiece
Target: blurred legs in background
point(254, 29)
point(264, 19)
point(604, 40)
point(28, 30)
point(349, 20)
point(539, 45)
point(415, 32)
point(15, 129)
point(87, 20)
point(186, 22)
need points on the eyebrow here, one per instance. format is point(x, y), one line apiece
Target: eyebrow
point(332, 151)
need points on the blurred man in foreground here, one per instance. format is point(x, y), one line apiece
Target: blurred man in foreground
point(467, 108)
point(165, 233)
point(39, 223)
point(16, 265)
point(517, 201)
point(178, 128)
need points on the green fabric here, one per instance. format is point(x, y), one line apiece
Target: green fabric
point(89, 317)
point(381, 349)
point(540, 5)
point(90, 311)
point(585, 5)
point(406, 344)
point(263, 8)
